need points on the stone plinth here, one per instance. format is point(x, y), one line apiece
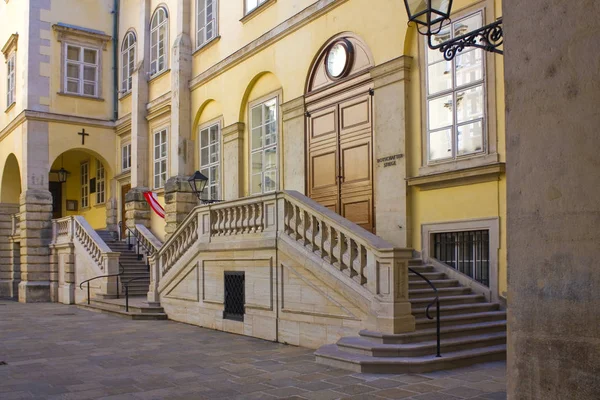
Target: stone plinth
point(137, 209)
point(233, 165)
point(179, 201)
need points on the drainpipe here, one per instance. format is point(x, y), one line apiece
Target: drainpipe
point(115, 13)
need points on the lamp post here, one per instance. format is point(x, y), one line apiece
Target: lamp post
point(431, 16)
point(198, 183)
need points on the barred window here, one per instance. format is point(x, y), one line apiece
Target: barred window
point(467, 251)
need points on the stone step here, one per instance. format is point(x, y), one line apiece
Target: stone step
point(453, 331)
point(438, 283)
point(333, 356)
point(459, 319)
point(137, 304)
point(359, 345)
point(421, 269)
point(457, 309)
point(449, 300)
point(442, 292)
point(429, 275)
point(131, 314)
point(415, 261)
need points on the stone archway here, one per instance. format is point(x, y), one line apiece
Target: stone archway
point(10, 191)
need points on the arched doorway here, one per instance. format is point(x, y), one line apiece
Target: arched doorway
point(339, 130)
point(10, 188)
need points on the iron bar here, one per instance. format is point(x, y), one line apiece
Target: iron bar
point(88, 292)
point(489, 38)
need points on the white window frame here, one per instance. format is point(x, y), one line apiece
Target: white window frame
point(483, 83)
point(263, 148)
point(203, 21)
point(128, 61)
point(155, 48)
point(100, 182)
point(10, 80)
point(126, 157)
point(248, 10)
point(81, 64)
point(212, 190)
point(84, 180)
point(160, 174)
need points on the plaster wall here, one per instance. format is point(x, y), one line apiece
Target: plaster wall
point(552, 97)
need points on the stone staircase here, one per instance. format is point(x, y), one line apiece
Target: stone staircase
point(472, 331)
point(139, 309)
point(132, 266)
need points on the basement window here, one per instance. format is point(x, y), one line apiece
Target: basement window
point(468, 252)
point(234, 296)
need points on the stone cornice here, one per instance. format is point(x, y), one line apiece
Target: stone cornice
point(159, 106)
point(458, 177)
point(287, 27)
point(391, 71)
point(10, 45)
point(30, 115)
point(67, 32)
point(233, 132)
point(123, 124)
point(293, 108)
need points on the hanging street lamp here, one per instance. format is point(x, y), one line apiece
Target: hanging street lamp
point(198, 183)
point(430, 16)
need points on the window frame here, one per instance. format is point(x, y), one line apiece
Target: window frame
point(252, 105)
point(160, 25)
point(11, 86)
point(489, 154)
point(215, 20)
point(81, 64)
point(123, 147)
point(218, 164)
point(84, 194)
point(100, 183)
point(158, 160)
point(127, 70)
point(259, 4)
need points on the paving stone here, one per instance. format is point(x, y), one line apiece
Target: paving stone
point(421, 388)
point(285, 392)
point(323, 395)
point(354, 389)
point(384, 383)
point(464, 392)
point(411, 378)
point(395, 393)
point(494, 396)
point(436, 396)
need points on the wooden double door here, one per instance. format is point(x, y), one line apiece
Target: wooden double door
point(340, 157)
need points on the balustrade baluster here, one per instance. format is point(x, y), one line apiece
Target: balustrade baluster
point(332, 245)
point(342, 251)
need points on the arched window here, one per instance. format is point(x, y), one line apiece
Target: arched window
point(158, 41)
point(127, 61)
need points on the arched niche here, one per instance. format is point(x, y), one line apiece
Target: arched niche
point(10, 188)
point(362, 61)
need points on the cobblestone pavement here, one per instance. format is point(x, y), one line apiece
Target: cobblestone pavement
point(54, 351)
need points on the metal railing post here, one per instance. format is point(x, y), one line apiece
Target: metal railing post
point(126, 298)
point(437, 317)
point(117, 286)
point(88, 290)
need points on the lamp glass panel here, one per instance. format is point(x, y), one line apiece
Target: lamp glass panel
point(442, 6)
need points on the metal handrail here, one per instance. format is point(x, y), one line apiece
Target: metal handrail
point(121, 271)
point(435, 301)
point(139, 243)
point(126, 285)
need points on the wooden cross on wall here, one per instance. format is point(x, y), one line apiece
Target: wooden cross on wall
point(83, 135)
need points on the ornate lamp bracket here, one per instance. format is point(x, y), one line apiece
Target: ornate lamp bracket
point(488, 38)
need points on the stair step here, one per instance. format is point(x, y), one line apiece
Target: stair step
point(421, 335)
point(442, 292)
point(429, 275)
point(457, 309)
point(438, 283)
point(359, 345)
point(133, 307)
point(449, 300)
point(415, 261)
point(131, 314)
point(459, 319)
point(333, 356)
point(422, 269)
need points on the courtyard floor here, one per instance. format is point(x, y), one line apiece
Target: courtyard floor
point(54, 351)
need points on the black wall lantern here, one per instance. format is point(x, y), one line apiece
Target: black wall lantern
point(431, 16)
point(62, 175)
point(198, 183)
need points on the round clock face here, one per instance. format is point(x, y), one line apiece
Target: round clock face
point(337, 60)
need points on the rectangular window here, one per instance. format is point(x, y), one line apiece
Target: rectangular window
point(456, 96)
point(210, 158)
point(100, 183)
point(468, 252)
point(252, 4)
point(10, 81)
point(235, 295)
point(85, 184)
point(126, 157)
point(81, 70)
point(263, 146)
point(160, 158)
point(206, 21)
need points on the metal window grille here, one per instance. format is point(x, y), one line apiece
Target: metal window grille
point(468, 252)
point(234, 296)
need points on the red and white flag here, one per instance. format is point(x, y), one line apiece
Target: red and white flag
point(152, 199)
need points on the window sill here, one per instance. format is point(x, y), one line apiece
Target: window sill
point(125, 95)
point(257, 11)
point(206, 45)
point(11, 106)
point(159, 74)
point(476, 160)
point(458, 177)
point(159, 191)
point(100, 205)
point(80, 96)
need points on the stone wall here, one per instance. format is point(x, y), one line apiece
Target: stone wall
point(553, 173)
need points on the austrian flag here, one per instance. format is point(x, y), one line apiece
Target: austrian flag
point(152, 199)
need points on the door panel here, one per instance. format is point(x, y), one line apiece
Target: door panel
point(358, 209)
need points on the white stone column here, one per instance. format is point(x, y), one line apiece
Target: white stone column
point(233, 159)
point(389, 123)
point(294, 145)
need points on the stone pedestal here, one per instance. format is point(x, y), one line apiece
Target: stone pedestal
point(137, 209)
point(233, 165)
point(179, 201)
point(36, 234)
point(294, 145)
point(8, 278)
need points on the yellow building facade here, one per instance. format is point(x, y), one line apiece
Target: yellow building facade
point(339, 100)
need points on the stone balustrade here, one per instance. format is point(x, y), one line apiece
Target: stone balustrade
point(150, 243)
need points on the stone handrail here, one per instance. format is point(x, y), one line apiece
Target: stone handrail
point(147, 239)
